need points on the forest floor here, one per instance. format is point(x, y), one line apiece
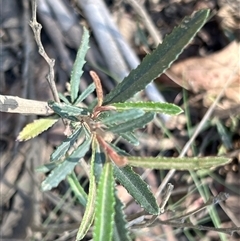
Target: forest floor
point(205, 66)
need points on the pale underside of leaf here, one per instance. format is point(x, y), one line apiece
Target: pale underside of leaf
point(133, 124)
point(62, 149)
point(47, 167)
point(130, 137)
point(103, 228)
point(85, 93)
point(155, 107)
point(184, 163)
point(35, 128)
point(89, 213)
point(77, 189)
point(62, 170)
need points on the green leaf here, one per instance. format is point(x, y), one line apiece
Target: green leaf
point(77, 188)
point(120, 117)
point(159, 60)
point(89, 213)
point(120, 232)
point(183, 163)
point(67, 111)
point(155, 107)
point(62, 149)
point(103, 228)
point(119, 151)
point(64, 98)
point(85, 93)
point(99, 161)
point(222, 131)
point(62, 170)
point(47, 167)
point(131, 125)
point(137, 188)
point(78, 65)
point(130, 137)
point(35, 128)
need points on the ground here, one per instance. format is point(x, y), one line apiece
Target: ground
point(209, 62)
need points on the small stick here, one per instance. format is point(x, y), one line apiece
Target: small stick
point(36, 27)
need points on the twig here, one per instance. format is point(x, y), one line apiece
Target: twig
point(166, 197)
point(230, 213)
point(157, 38)
point(135, 222)
point(36, 27)
point(198, 227)
point(13, 104)
point(51, 27)
point(150, 222)
point(212, 201)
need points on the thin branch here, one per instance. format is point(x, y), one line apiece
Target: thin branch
point(157, 38)
point(166, 197)
point(179, 221)
point(212, 201)
point(13, 104)
point(198, 227)
point(36, 27)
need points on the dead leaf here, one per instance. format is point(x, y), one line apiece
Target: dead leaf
point(210, 73)
point(14, 104)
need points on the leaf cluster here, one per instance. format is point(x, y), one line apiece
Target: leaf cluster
point(95, 128)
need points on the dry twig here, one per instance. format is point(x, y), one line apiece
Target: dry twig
point(36, 27)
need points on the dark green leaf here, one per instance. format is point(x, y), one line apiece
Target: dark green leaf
point(98, 162)
point(225, 137)
point(103, 227)
point(120, 232)
point(67, 111)
point(137, 188)
point(62, 149)
point(156, 63)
